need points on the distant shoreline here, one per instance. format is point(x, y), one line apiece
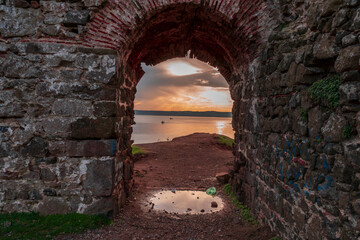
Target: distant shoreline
point(185, 113)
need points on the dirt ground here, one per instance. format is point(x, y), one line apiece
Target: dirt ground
point(190, 163)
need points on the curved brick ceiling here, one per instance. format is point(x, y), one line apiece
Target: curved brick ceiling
point(224, 33)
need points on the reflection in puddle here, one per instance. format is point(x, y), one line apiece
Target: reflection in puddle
point(186, 202)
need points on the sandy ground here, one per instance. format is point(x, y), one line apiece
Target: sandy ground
point(190, 163)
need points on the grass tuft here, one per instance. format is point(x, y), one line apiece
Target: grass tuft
point(245, 210)
point(304, 115)
point(346, 134)
point(226, 140)
point(34, 226)
point(136, 150)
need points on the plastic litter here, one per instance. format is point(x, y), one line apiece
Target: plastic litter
point(211, 191)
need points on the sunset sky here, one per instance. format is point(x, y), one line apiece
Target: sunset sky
point(182, 84)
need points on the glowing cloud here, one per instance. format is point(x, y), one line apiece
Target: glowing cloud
point(182, 69)
point(183, 84)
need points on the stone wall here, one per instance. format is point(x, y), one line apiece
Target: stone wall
point(68, 76)
point(298, 157)
point(58, 116)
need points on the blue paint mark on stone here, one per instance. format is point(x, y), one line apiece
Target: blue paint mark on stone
point(276, 147)
point(282, 173)
point(325, 163)
point(306, 150)
point(113, 148)
point(3, 129)
point(326, 186)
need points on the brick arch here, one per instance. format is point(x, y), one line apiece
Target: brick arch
point(225, 33)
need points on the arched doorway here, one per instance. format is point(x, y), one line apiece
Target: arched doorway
point(223, 33)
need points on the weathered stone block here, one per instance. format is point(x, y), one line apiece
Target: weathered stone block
point(286, 62)
point(101, 206)
point(330, 6)
point(334, 127)
point(358, 122)
point(340, 18)
point(351, 76)
point(35, 195)
point(18, 22)
point(87, 61)
point(49, 192)
point(46, 160)
point(349, 40)
point(54, 127)
point(356, 206)
point(105, 109)
point(299, 125)
point(348, 59)
point(74, 18)
point(352, 151)
point(70, 75)
point(90, 148)
point(71, 107)
point(53, 6)
point(92, 3)
point(21, 4)
point(37, 147)
point(98, 178)
point(86, 128)
point(299, 217)
point(15, 66)
point(350, 92)
point(342, 171)
point(325, 48)
point(15, 110)
point(356, 20)
point(47, 175)
point(223, 177)
point(57, 148)
point(45, 48)
point(50, 18)
point(344, 200)
point(53, 205)
point(315, 121)
point(99, 76)
point(51, 30)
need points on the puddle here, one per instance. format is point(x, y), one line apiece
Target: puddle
point(186, 202)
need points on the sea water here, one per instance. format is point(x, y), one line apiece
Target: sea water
point(149, 129)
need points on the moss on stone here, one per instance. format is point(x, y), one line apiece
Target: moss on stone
point(326, 89)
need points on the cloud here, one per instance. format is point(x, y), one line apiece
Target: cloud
point(203, 91)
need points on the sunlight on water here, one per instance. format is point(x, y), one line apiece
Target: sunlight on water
point(220, 126)
point(185, 202)
point(150, 129)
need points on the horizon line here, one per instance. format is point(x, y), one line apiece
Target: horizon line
point(178, 111)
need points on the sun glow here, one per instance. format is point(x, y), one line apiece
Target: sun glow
point(183, 84)
point(182, 69)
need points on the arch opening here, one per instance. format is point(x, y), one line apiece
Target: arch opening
point(226, 40)
point(179, 97)
point(173, 31)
